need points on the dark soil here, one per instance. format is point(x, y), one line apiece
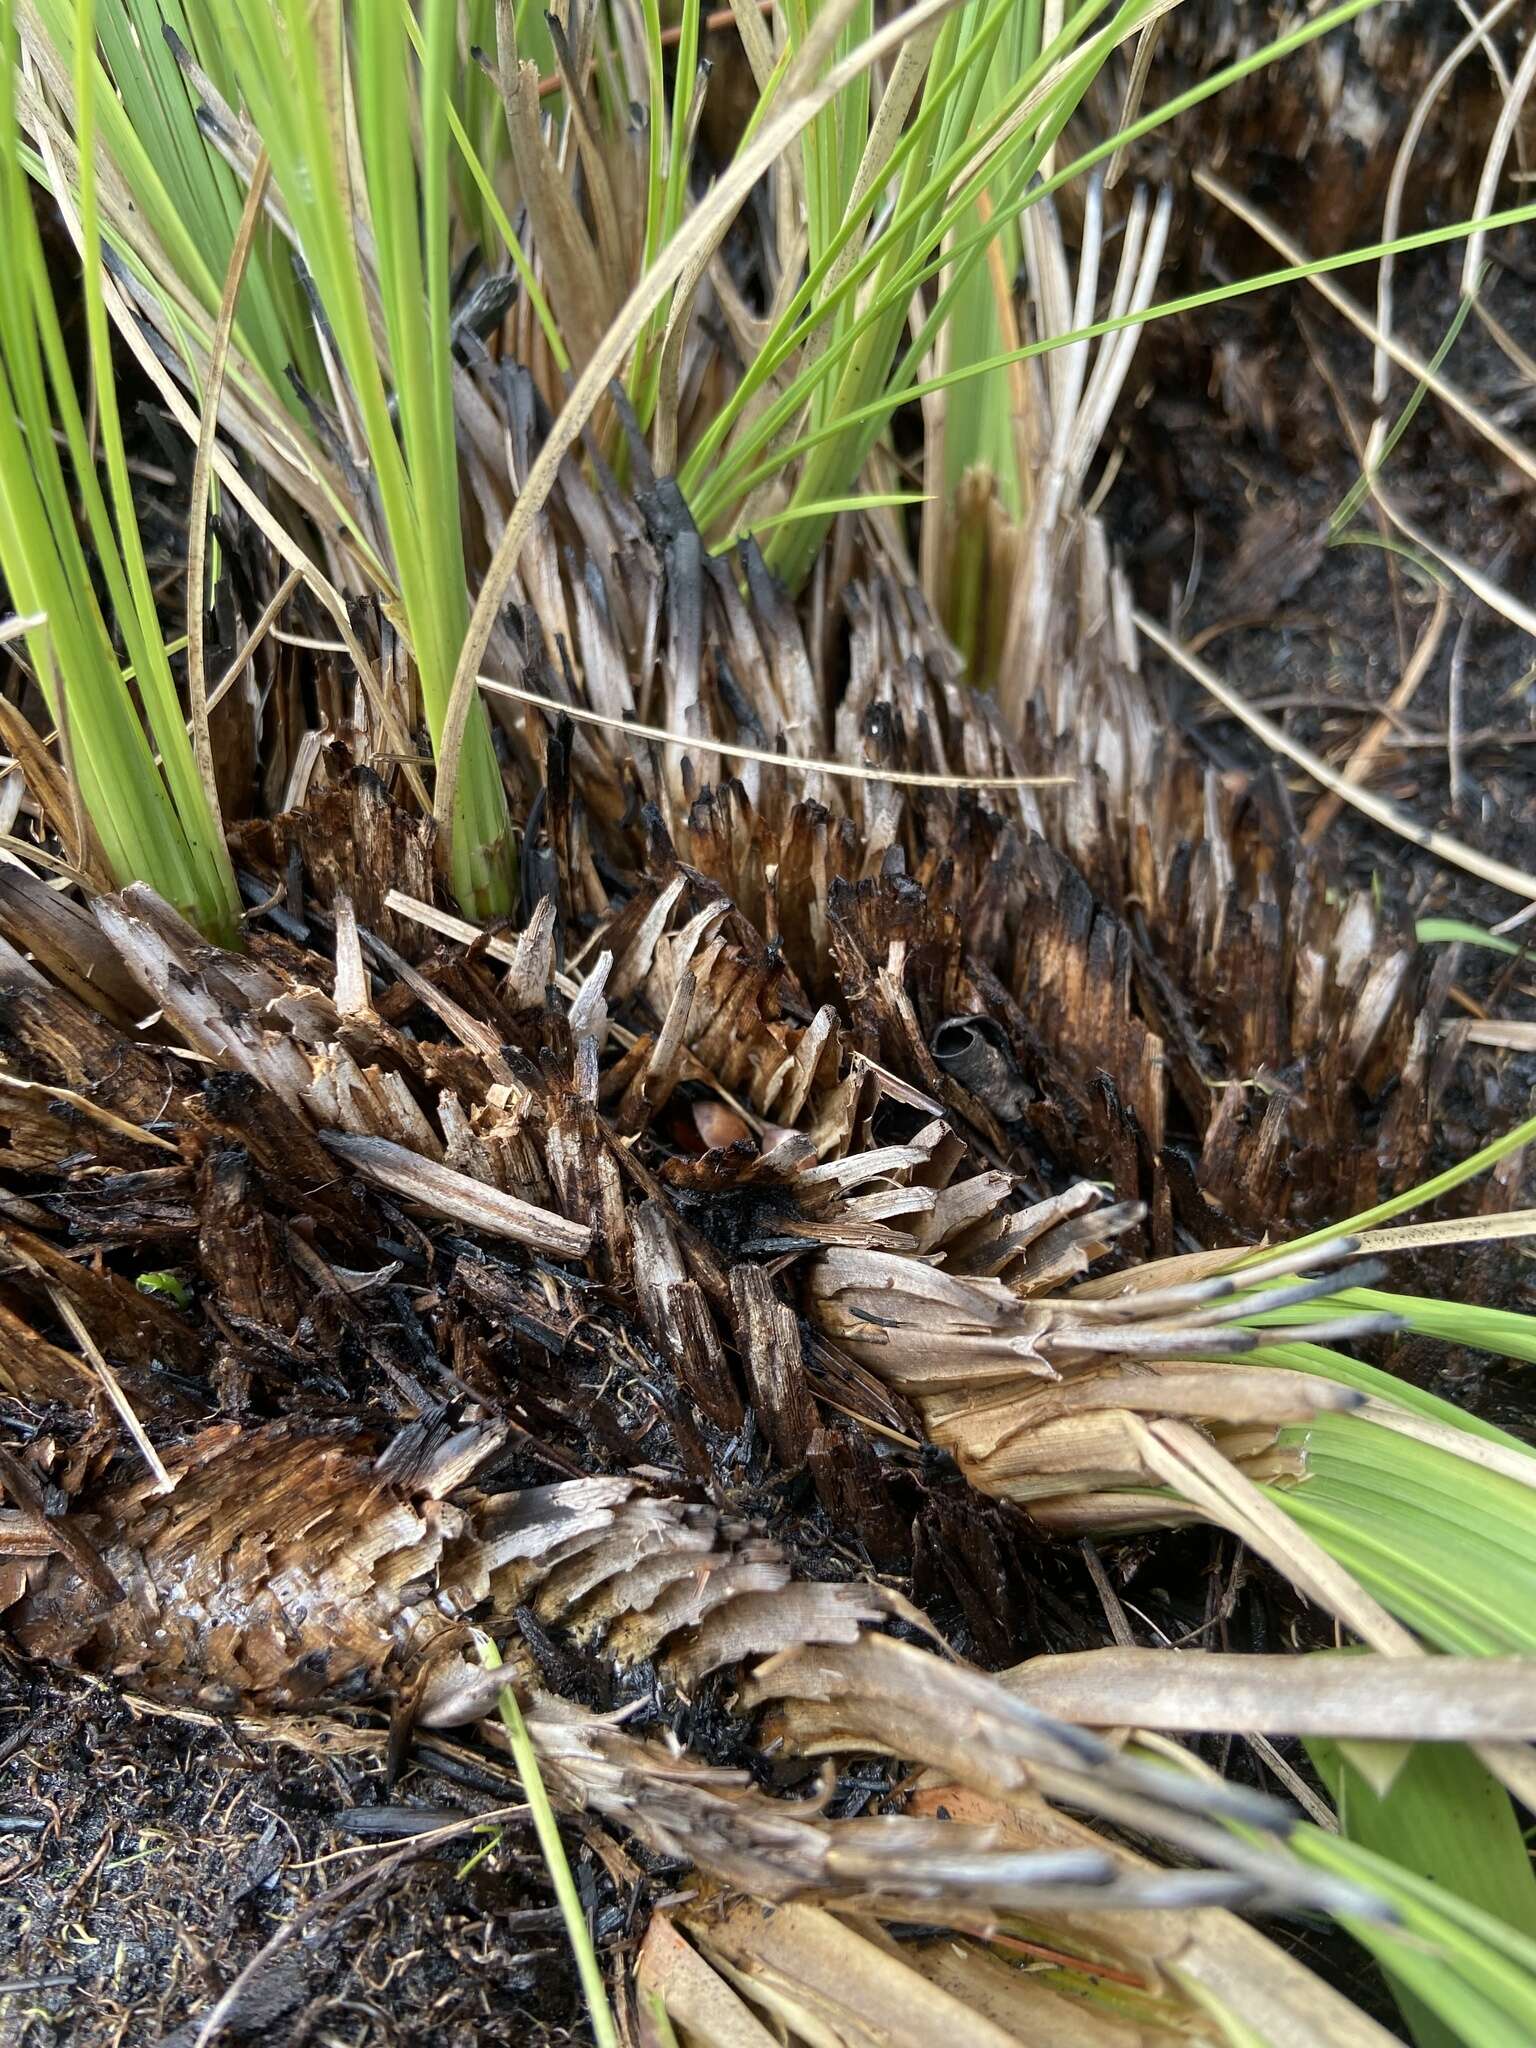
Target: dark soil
point(1237, 459)
point(148, 1855)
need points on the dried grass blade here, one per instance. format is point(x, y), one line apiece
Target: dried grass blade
point(70, 1317)
point(448, 1193)
point(1513, 1223)
point(1480, 31)
point(271, 612)
point(1407, 358)
point(1505, 131)
point(694, 1996)
point(14, 1084)
point(800, 763)
point(1378, 1699)
point(575, 274)
point(1383, 726)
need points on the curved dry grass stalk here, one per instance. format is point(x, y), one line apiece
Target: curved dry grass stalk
point(1493, 594)
point(1382, 728)
point(727, 750)
point(1516, 92)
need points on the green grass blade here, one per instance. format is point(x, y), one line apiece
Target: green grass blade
point(1300, 1356)
point(547, 1828)
point(138, 617)
point(813, 306)
point(1445, 1545)
point(1459, 1964)
point(1453, 931)
point(1505, 1332)
point(1419, 1197)
point(827, 508)
point(1445, 1817)
point(1360, 490)
point(495, 223)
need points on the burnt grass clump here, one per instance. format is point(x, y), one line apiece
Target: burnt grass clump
point(382, 1231)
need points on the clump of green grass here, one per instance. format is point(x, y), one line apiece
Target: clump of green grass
point(934, 206)
point(304, 82)
point(128, 750)
point(393, 173)
point(334, 100)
